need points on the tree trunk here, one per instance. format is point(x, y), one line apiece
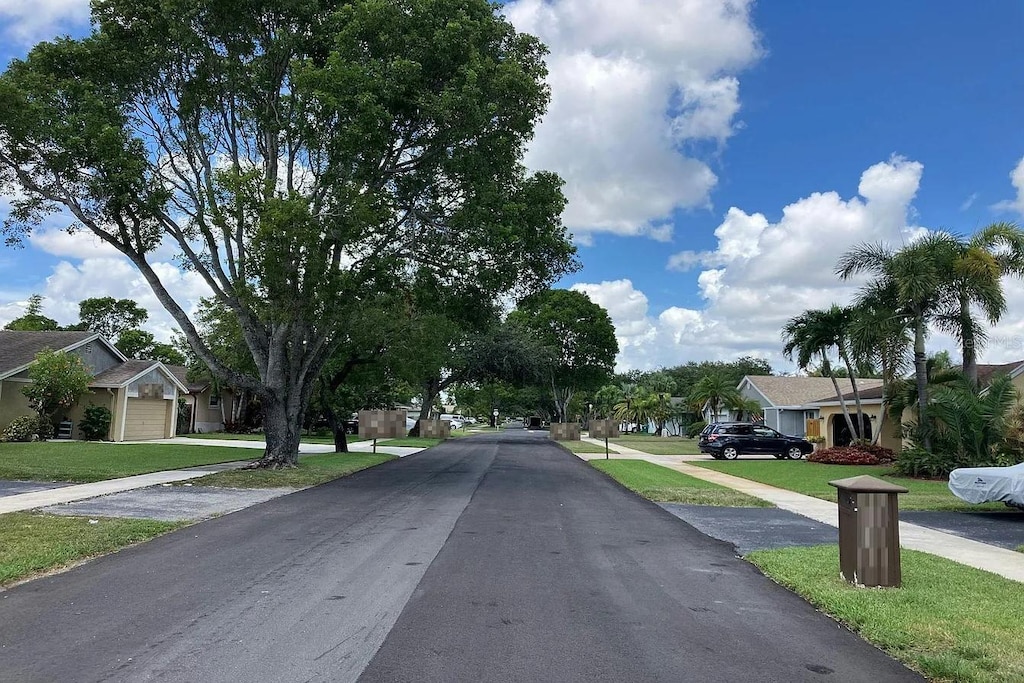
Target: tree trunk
point(842, 402)
point(969, 341)
point(282, 425)
point(921, 376)
point(859, 434)
point(431, 388)
point(337, 428)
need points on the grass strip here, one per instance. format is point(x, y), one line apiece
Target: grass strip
point(87, 462)
point(949, 621)
point(584, 447)
point(656, 445)
point(33, 543)
point(411, 442)
point(311, 471)
point(811, 479)
point(664, 485)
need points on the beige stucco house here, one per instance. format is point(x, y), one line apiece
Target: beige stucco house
point(141, 395)
point(207, 408)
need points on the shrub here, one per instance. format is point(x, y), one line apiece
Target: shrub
point(23, 428)
point(853, 455)
point(695, 428)
point(95, 423)
point(917, 462)
point(816, 439)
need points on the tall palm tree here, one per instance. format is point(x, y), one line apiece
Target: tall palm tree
point(810, 335)
point(990, 254)
point(921, 279)
point(879, 334)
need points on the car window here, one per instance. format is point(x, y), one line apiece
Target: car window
point(742, 430)
point(765, 431)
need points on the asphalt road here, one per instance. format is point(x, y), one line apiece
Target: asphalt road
point(496, 558)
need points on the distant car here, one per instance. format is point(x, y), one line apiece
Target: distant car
point(455, 420)
point(989, 484)
point(729, 440)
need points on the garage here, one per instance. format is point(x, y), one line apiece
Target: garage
point(146, 419)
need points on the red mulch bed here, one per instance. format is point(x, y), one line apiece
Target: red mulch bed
point(853, 455)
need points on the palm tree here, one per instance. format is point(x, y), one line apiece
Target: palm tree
point(811, 335)
point(985, 258)
point(880, 335)
point(715, 391)
point(920, 278)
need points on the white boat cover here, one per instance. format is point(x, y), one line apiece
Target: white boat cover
point(988, 484)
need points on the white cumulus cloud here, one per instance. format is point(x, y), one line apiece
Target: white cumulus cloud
point(27, 21)
point(1016, 204)
point(763, 272)
point(635, 83)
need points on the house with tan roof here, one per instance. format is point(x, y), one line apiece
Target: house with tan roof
point(788, 403)
point(208, 408)
point(142, 395)
point(832, 424)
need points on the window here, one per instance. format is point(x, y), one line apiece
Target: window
point(765, 431)
point(214, 400)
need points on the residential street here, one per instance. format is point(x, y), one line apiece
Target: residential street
point(491, 558)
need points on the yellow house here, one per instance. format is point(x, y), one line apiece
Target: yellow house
point(141, 395)
point(831, 423)
point(208, 410)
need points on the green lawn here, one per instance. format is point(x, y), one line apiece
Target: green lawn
point(663, 485)
point(411, 442)
point(85, 462)
point(812, 479)
point(657, 445)
point(949, 621)
point(585, 447)
point(312, 470)
point(31, 543)
point(224, 436)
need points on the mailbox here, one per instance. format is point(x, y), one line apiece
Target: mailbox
point(869, 531)
point(604, 429)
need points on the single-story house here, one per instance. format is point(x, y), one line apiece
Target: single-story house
point(207, 408)
point(832, 423)
point(787, 402)
point(141, 395)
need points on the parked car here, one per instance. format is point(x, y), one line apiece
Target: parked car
point(455, 421)
point(729, 440)
point(989, 484)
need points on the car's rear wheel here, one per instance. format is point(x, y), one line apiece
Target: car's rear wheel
point(794, 453)
point(730, 453)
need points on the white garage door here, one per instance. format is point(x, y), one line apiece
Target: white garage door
point(146, 419)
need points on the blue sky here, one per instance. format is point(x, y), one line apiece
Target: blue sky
point(719, 155)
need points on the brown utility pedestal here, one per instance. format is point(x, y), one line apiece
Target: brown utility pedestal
point(869, 531)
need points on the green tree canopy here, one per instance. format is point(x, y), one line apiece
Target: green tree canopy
point(58, 380)
point(296, 154)
point(579, 333)
point(110, 317)
point(33, 320)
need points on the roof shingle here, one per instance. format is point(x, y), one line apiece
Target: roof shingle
point(798, 391)
point(18, 349)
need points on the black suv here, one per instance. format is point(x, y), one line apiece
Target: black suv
point(727, 440)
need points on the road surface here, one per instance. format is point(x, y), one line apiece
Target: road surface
point(493, 558)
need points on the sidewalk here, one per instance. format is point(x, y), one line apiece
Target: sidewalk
point(1000, 561)
point(74, 492)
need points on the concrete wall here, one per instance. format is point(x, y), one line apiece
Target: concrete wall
point(892, 436)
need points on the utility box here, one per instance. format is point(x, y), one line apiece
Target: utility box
point(869, 531)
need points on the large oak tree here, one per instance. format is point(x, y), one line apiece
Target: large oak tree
point(296, 154)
